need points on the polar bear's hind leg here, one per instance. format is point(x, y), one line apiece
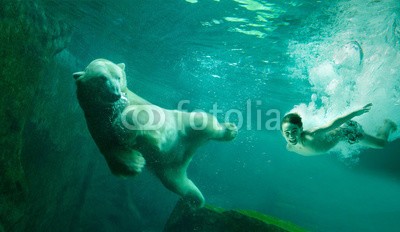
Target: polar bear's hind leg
point(177, 181)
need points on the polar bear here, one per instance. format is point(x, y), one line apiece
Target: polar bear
point(131, 132)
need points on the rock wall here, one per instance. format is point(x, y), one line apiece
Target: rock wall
point(28, 42)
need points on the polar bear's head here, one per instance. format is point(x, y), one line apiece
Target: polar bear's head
point(102, 82)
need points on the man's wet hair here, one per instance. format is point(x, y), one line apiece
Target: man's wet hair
point(293, 118)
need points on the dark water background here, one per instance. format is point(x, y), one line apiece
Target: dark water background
point(224, 52)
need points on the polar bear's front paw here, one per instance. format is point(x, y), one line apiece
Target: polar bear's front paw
point(138, 163)
point(127, 164)
point(231, 131)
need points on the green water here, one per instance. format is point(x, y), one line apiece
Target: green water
point(256, 60)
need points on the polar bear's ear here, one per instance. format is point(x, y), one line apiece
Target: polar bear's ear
point(77, 75)
point(121, 65)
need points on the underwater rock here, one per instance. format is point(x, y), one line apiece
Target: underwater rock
point(213, 219)
point(28, 42)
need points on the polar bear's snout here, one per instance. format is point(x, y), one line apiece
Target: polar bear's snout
point(113, 90)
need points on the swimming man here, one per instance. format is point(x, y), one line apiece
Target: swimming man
point(322, 139)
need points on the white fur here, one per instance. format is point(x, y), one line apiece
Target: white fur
point(128, 143)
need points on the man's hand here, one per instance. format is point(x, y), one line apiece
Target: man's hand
point(363, 110)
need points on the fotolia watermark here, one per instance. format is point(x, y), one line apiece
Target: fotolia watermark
point(151, 117)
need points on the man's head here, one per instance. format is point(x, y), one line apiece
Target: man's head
point(292, 127)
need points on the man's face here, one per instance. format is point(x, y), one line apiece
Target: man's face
point(291, 132)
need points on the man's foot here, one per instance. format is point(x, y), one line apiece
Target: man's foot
point(392, 127)
point(388, 127)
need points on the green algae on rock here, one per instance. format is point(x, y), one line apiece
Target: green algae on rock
point(215, 219)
